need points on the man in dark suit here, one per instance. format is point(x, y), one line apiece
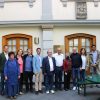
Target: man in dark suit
point(49, 70)
point(3, 59)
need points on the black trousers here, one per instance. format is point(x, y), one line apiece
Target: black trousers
point(49, 81)
point(2, 83)
point(67, 80)
point(58, 78)
point(28, 81)
point(21, 83)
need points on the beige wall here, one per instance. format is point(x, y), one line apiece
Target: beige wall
point(61, 32)
point(58, 33)
point(33, 31)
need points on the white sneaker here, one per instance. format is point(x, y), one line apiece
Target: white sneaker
point(47, 92)
point(74, 88)
point(21, 93)
point(52, 91)
point(80, 89)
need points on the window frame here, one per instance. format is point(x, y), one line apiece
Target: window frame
point(78, 35)
point(17, 36)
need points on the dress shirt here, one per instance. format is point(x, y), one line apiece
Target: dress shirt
point(59, 59)
point(51, 64)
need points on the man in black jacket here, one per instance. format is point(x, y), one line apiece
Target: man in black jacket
point(3, 59)
point(49, 70)
point(76, 64)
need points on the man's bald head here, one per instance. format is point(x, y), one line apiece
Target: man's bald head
point(59, 50)
point(74, 50)
point(49, 52)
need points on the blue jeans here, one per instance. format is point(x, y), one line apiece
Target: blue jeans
point(76, 75)
point(83, 75)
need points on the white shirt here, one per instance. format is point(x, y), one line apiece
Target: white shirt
point(6, 55)
point(84, 61)
point(51, 64)
point(59, 59)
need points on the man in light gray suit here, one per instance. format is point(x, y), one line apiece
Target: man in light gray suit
point(94, 60)
point(94, 57)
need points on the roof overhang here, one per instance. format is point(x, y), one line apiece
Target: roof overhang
point(50, 22)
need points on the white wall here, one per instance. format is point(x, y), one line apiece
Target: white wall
point(68, 13)
point(21, 11)
point(33, 31)
point(92, 11)
point(62, 13)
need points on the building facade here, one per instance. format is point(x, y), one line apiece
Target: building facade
point(49, 24)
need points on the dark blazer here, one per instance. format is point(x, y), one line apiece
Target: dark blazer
point(46, 65)
point(2, 62)
point(76, 60)
point(24, 61)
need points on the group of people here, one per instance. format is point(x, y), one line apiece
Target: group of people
point(18, 69)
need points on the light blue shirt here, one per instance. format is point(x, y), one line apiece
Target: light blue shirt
point(94, 57)
point(37, 63)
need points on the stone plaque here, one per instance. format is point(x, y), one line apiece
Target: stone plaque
point(81, 10)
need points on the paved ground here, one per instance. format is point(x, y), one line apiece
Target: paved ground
point(92, 94)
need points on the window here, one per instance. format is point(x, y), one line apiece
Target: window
point(17, 41)
point(78, 41)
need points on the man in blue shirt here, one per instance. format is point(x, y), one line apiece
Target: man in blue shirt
point(28, 70)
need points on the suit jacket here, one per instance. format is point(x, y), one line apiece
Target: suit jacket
point(2, 62)
point(36, 64)
point(97, 61)
point(91, 58)
point(46, 65)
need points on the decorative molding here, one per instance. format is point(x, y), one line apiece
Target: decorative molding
point(64, 2)
point(96, 3)
point(1, 3)
point(41, 23)
point(47, 26)
point(79, 0)
point(81, 10)
point(16, 0)
point(31, 3)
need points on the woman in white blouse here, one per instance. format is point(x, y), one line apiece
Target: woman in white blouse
point(84, 63)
